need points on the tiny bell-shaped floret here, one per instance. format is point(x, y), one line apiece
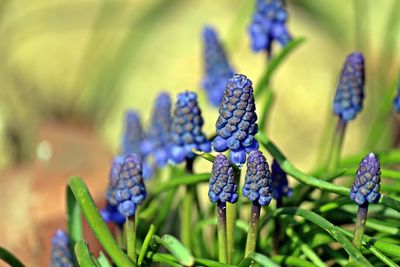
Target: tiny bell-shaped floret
point(61, 254)
point(158, 138)
point(350, 90)
point(279, 186)
point(257, 184)
point(396, 101)
point(222, 181)
point(236, 124)
point(268, 25)
point(217, 69)
point(365, 188)
point(187, 126)
point(133, 134)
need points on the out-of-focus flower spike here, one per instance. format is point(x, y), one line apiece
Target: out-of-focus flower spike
point(349, 96)
point(133, 133)
point(187, 126)
point(222, 187)
point(217, 68)
point(236, 125)
point(396, 101)
point(280, 186)
point(61, 254)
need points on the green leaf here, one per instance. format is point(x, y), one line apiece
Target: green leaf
point(211, 263)
point(175, 247)
point(257, 258)
point(275, 62)
point(182, 180)
point(103, 261)
point(83, 255)
point(9, 258)
point(97, 224)
point(292, 261)
point(145, 245)
point(330, 228)
point(74, 221)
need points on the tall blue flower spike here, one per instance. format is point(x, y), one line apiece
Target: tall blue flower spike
point(222, 187)
point(186, 128)
point(158, 137)
point(236, 124)
point(257, 184)
point(280, 186)
point(217, 68)
point(133, 134)
point(268, 25)
point(127, 188)
point(396, 101)
point(350, 91)
point(365, 188)
point(61, 254)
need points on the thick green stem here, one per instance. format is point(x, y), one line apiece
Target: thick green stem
point(360, 225)
point(130, 230)
point(231, 214)
point(221, 215)
point(252, 233)
point(277, 230)
point(187, 206)
point(336, 146)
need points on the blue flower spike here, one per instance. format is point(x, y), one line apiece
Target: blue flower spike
point(279, 186)
point(157, 142)
point(236, 125)
point(257, 185)
point(222, 186)
point(61, 254)
point(133, 134)
point(186, 133)
point(365, 188)
point(217, 68)
point(349, 96)
point(269, 25)
point(396, 101)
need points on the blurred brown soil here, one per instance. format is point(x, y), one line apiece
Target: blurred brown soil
point(32, 197)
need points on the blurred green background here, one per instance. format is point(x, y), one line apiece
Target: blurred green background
point(88, 61)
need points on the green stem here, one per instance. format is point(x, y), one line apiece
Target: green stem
point(130, 229)
point(336, 146)
point(277, 230)
point(360, 225)
point(222, 238)
point(187, 206)
point(230, 229)
point(251, 235)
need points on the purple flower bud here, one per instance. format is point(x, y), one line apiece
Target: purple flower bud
point(365, 188)
point(133, 134)
point(280, 186)
point(222, 181)
point(61, 254)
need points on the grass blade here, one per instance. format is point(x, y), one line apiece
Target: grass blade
point(145, 245)
point(9, 258)
point(83, 255)
point(74, 221)
point(175, 247)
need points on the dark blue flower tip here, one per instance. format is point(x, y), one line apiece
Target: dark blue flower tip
point(236, 125)
point(396, 101)
point(279, 186)
point(268, 25)
point(186, 130)
point(61, 254)
point(128, 190)
point(349, 96)
point(257, 185)
point(110, 214)
point(217, 69)
point(133, 133)
point(157, 143)
point(365, 188)
point(222, 181)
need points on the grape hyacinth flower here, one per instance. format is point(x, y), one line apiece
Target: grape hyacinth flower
point(279, 186)
point(61, 254)
point(268, 25)
point(396, 101)
point(216, 65)
point(157, 140)
point(222, 189)
point(257, 188)
point(365, 190)
point(133, 134)
point(186, 132)
point(236, 124)
point(350, 90)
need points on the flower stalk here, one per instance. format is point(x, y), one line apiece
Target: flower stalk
point(336, 146)
point(222, 237)
point(130, 230)
point(360, 225)
point(187, 205)
point(252, 233)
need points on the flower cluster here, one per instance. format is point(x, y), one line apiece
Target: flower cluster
point(126, 189)
point(279, 186)
point(217, 68)
point(257, 185)
point(222, 181)
point(365, 188)
point(186, 133)
point(61, 254)
point(133, 134)
point(396, 101)
point(350, 91)
point(268, 24)
point(236, 124)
